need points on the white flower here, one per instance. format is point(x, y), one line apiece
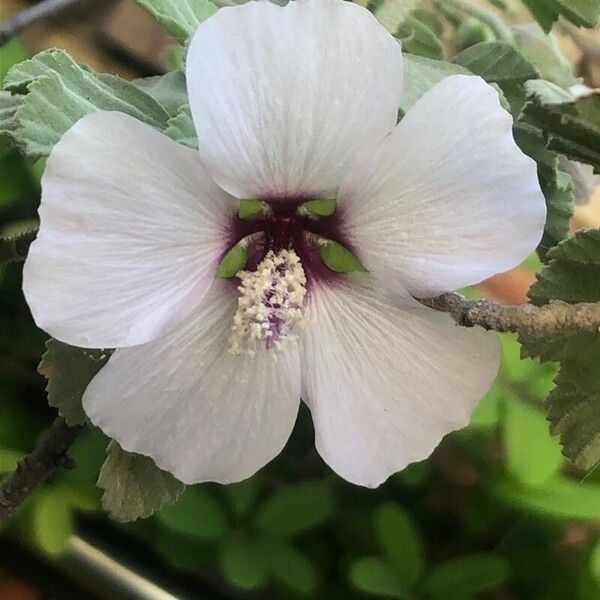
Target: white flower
point(290, 104)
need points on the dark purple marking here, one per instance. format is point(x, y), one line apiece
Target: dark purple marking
point(285, 229)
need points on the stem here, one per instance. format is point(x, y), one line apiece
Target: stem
point(493, 21)
point(34, 468)
point(21, 20)
point(552, 318)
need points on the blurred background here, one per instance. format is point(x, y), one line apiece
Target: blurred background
point(496, 512)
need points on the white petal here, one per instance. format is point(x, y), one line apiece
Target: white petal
point(449, 199)
point(131, 230)
point(284, 98)
point(386, 380)
point(198, 411)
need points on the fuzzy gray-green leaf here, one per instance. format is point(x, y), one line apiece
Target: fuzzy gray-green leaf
point(134, 487)
point(570, 127)
point(9, 104)
point(69, 370)
point(60, 92)
point(421, 74)
point(179, 17)
point(181, 128)
point(169, 90)
point(496, 61)
point(572, 275)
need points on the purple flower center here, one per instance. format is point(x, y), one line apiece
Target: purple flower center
point(286, 227)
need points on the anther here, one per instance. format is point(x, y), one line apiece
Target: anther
point(270, 304)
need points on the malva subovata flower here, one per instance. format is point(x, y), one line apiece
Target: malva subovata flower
point(290, 105)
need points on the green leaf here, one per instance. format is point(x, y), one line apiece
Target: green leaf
point(134, 487)
point(595, 563)
point(583, 13)
point(500, 63)
point(181, 128)
point(322, 207)
point(546, 12)
point(431, 19)
point(296, 508)
point(173, 57)
point(233, 262)
point(196, 514)
point(9, 105)
point(559, 497)
point(374, 576)
point(532, 456)
point(60, 93)
point(421, 74)
point(11, 53)
point(547, 92)
point(339, 259)
point(9, 459)
point(82, 498)
point(572, 275)
point(242, 495)
point(401, 541)
point(578, 354)
point(527, 373)
point(22, 74)
point(571, 127)
point(168, 90)
point(545, 53)
point(290, 566)
point(466, 575)
point(415, 474)
point(392, 14)
point(575, 416)
point(69, 370)
point(181, 552)
point(419, 39)
point(471, 31)
point(555, 186)
point(52, 521)
point(487, 413)
point(243, 563)
point(180, 18)
point(496, 61)
point(88, 452)
point(250, 208)
point(22, 231)
point(17, 185)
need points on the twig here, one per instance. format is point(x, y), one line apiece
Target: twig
point(14, 249)
point(552, 318)
point(20, 21)
point(34, 468)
